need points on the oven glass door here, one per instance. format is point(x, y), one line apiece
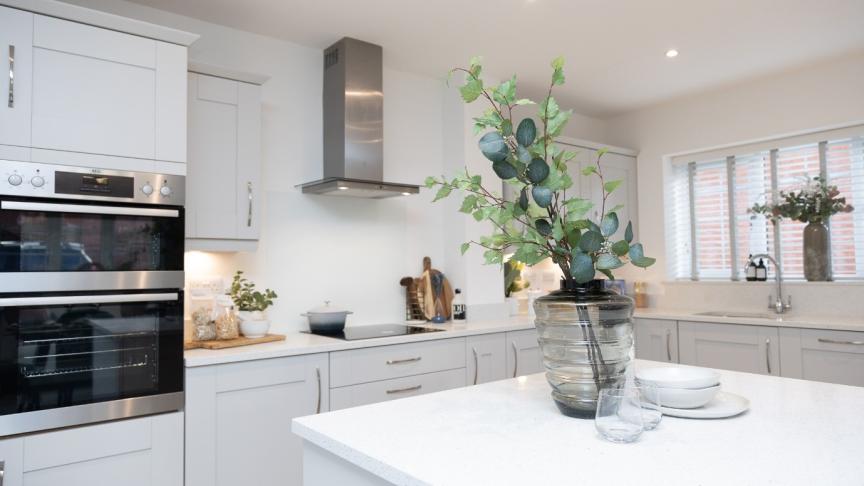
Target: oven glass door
point(44, 235)
point(76, 348)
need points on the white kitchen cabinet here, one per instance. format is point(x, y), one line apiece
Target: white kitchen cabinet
point(378, 363)
point(16, 66)
point(145, 451)
point(394, 389)
point(823, 355)
point(523, 353)
point(486, 358)
point(737, 347)
point(656, 339)
point(238, 427)
point(224, 192)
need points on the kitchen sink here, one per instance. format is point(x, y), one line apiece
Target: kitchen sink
point(740, 315)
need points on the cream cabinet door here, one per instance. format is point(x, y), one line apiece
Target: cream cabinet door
point(485, 358)
point(656, 339)
point(12, 461)
point(16, 67)
point(823, 355)
point(737, 347)
point(523, 353)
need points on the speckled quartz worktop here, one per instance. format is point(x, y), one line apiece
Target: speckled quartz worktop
point(510, 433)
point(298, 343)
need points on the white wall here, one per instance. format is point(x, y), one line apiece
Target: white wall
point(818, 96)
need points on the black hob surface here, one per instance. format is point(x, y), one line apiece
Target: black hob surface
point(378, 331)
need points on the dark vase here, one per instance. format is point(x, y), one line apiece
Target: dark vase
point(817, 253)
point(586, 336)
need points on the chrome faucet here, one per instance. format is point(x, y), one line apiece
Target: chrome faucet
point(778, 305)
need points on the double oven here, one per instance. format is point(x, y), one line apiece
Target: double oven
point(91, 295)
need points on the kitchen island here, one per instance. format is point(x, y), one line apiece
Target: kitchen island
point(509, 432)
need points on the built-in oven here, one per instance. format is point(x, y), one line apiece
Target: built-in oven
point(91, 300)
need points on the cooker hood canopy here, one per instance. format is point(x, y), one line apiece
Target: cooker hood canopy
point(354, 124)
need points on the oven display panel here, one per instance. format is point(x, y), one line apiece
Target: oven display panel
point(94, 184)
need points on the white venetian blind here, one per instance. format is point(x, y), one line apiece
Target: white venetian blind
point(752, 184)
point(678, 223)
point(711, 217)
point(844, 168)
point(795, 166)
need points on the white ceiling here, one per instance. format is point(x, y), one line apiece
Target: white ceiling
point(615, 49)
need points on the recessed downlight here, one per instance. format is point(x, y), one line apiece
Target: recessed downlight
point(672, 53)
point(343, 188)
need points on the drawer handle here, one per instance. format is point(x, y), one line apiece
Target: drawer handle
point(11, 103)
point(405, 390)
point(318, 405)
point(402, 361)
point(832, 341)
point(2, 471)
point(249, 214)
point(476, 364)
point(668, 346)
point(515, 359)
point(768, 354)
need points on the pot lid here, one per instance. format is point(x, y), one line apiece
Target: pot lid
point(328, 309)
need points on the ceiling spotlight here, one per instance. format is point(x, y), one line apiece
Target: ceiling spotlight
point(672, 53)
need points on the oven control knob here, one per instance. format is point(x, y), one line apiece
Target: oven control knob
point(147, 189)
point(15, 180)
point(165, 191)
point(37, 181)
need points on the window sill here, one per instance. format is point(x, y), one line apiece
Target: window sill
point(769, 282)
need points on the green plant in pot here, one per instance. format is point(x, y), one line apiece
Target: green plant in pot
point(814, 203)
point(513, 283)
point(584, 330)
point(251, 306)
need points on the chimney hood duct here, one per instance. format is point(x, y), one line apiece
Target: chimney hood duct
point(354, 124)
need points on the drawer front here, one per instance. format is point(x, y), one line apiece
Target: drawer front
point(382, 391)
point(823, 355)
point(260, 373)
point(387, 362)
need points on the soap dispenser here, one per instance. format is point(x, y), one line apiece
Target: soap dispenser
point(750, 271)
point(761, 271)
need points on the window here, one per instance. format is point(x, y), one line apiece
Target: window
point(711, 232)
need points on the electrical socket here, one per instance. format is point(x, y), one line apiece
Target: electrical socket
point(206, 286)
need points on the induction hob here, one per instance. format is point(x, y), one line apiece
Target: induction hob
point(378, 331)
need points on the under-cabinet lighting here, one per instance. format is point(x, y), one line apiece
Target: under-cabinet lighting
point(672, 53)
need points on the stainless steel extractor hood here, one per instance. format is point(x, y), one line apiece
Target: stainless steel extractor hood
point(354, 124)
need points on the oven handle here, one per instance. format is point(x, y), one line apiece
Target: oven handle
point(88, 299)
point(87, 209)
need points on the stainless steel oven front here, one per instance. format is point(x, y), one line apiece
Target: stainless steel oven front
point(91, 300)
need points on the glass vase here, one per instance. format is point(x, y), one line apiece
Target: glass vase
point(817, 253)
point(586, 336)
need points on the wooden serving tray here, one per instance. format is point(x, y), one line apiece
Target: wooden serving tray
point(233, 343)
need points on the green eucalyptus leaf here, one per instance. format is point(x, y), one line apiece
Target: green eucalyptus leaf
point(523, 101)
point(523, 198)
point(557, 230)
point(581, 267)
point(612, 185)
point(609, 224)
point(593, 226)
point(606, 272)
point(628, 233)
point(526, 132)
point(621, 248)
point(638, 258)
point(504, 169)
point(608, 261)
point(430, 182)
point(468, 204)
point(591, 241)
point(493, 146)
point(506, 127)
point(577, 208)
point(543, 227)
point(443, 192)
point(542, 196)
point(471, 90)
point(538, 171)
point(523, 154)
point(464, 247)
point(588, 170)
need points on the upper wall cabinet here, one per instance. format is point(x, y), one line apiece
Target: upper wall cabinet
point(77, 88)
point(223, 187)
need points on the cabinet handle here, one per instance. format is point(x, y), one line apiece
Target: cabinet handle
point(400, 390)
point(2, 471)
point(249, 214)
point(11, 103)
point(768, 354)
point(318, 405)
point(476, 364)
point(668, 345)
point(515, 359)
point(832, 341)
point(401, 361)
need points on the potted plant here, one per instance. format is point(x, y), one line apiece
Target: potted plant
point(813, 204)
point(585, 331)
point(513, 283)
point(251, 305)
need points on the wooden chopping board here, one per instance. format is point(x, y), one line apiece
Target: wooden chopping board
point(233, 343)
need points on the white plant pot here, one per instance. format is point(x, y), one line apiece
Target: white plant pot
point(253, 324)
point(513, 305)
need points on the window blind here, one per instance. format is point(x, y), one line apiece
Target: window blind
point(752, 184)
point(844, 167)
point(711, 218)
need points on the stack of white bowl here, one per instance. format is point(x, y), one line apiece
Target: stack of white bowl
point(682, 387)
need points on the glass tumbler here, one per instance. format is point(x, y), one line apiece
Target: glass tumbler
point(619, 414)
point(649, 400)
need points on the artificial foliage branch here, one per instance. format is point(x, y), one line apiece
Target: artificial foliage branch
point(815, 202)
point(246, 298)
point(542, 222)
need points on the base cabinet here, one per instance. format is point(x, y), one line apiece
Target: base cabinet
point(146, 451)
point(523, 353)
point(656, 339)
point(736, 347)
point(485, 358)
point(238, 429)
point(822, 355)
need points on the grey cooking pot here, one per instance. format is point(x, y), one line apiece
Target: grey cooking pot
point(326, 319)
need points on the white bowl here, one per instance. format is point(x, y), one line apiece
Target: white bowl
point(686, 398)
point(679, 377)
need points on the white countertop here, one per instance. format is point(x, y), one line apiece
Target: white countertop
point(782, 320)
point(510, 433)
point(297, 343)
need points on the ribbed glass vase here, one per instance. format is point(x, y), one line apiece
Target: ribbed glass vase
point(586, 336)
